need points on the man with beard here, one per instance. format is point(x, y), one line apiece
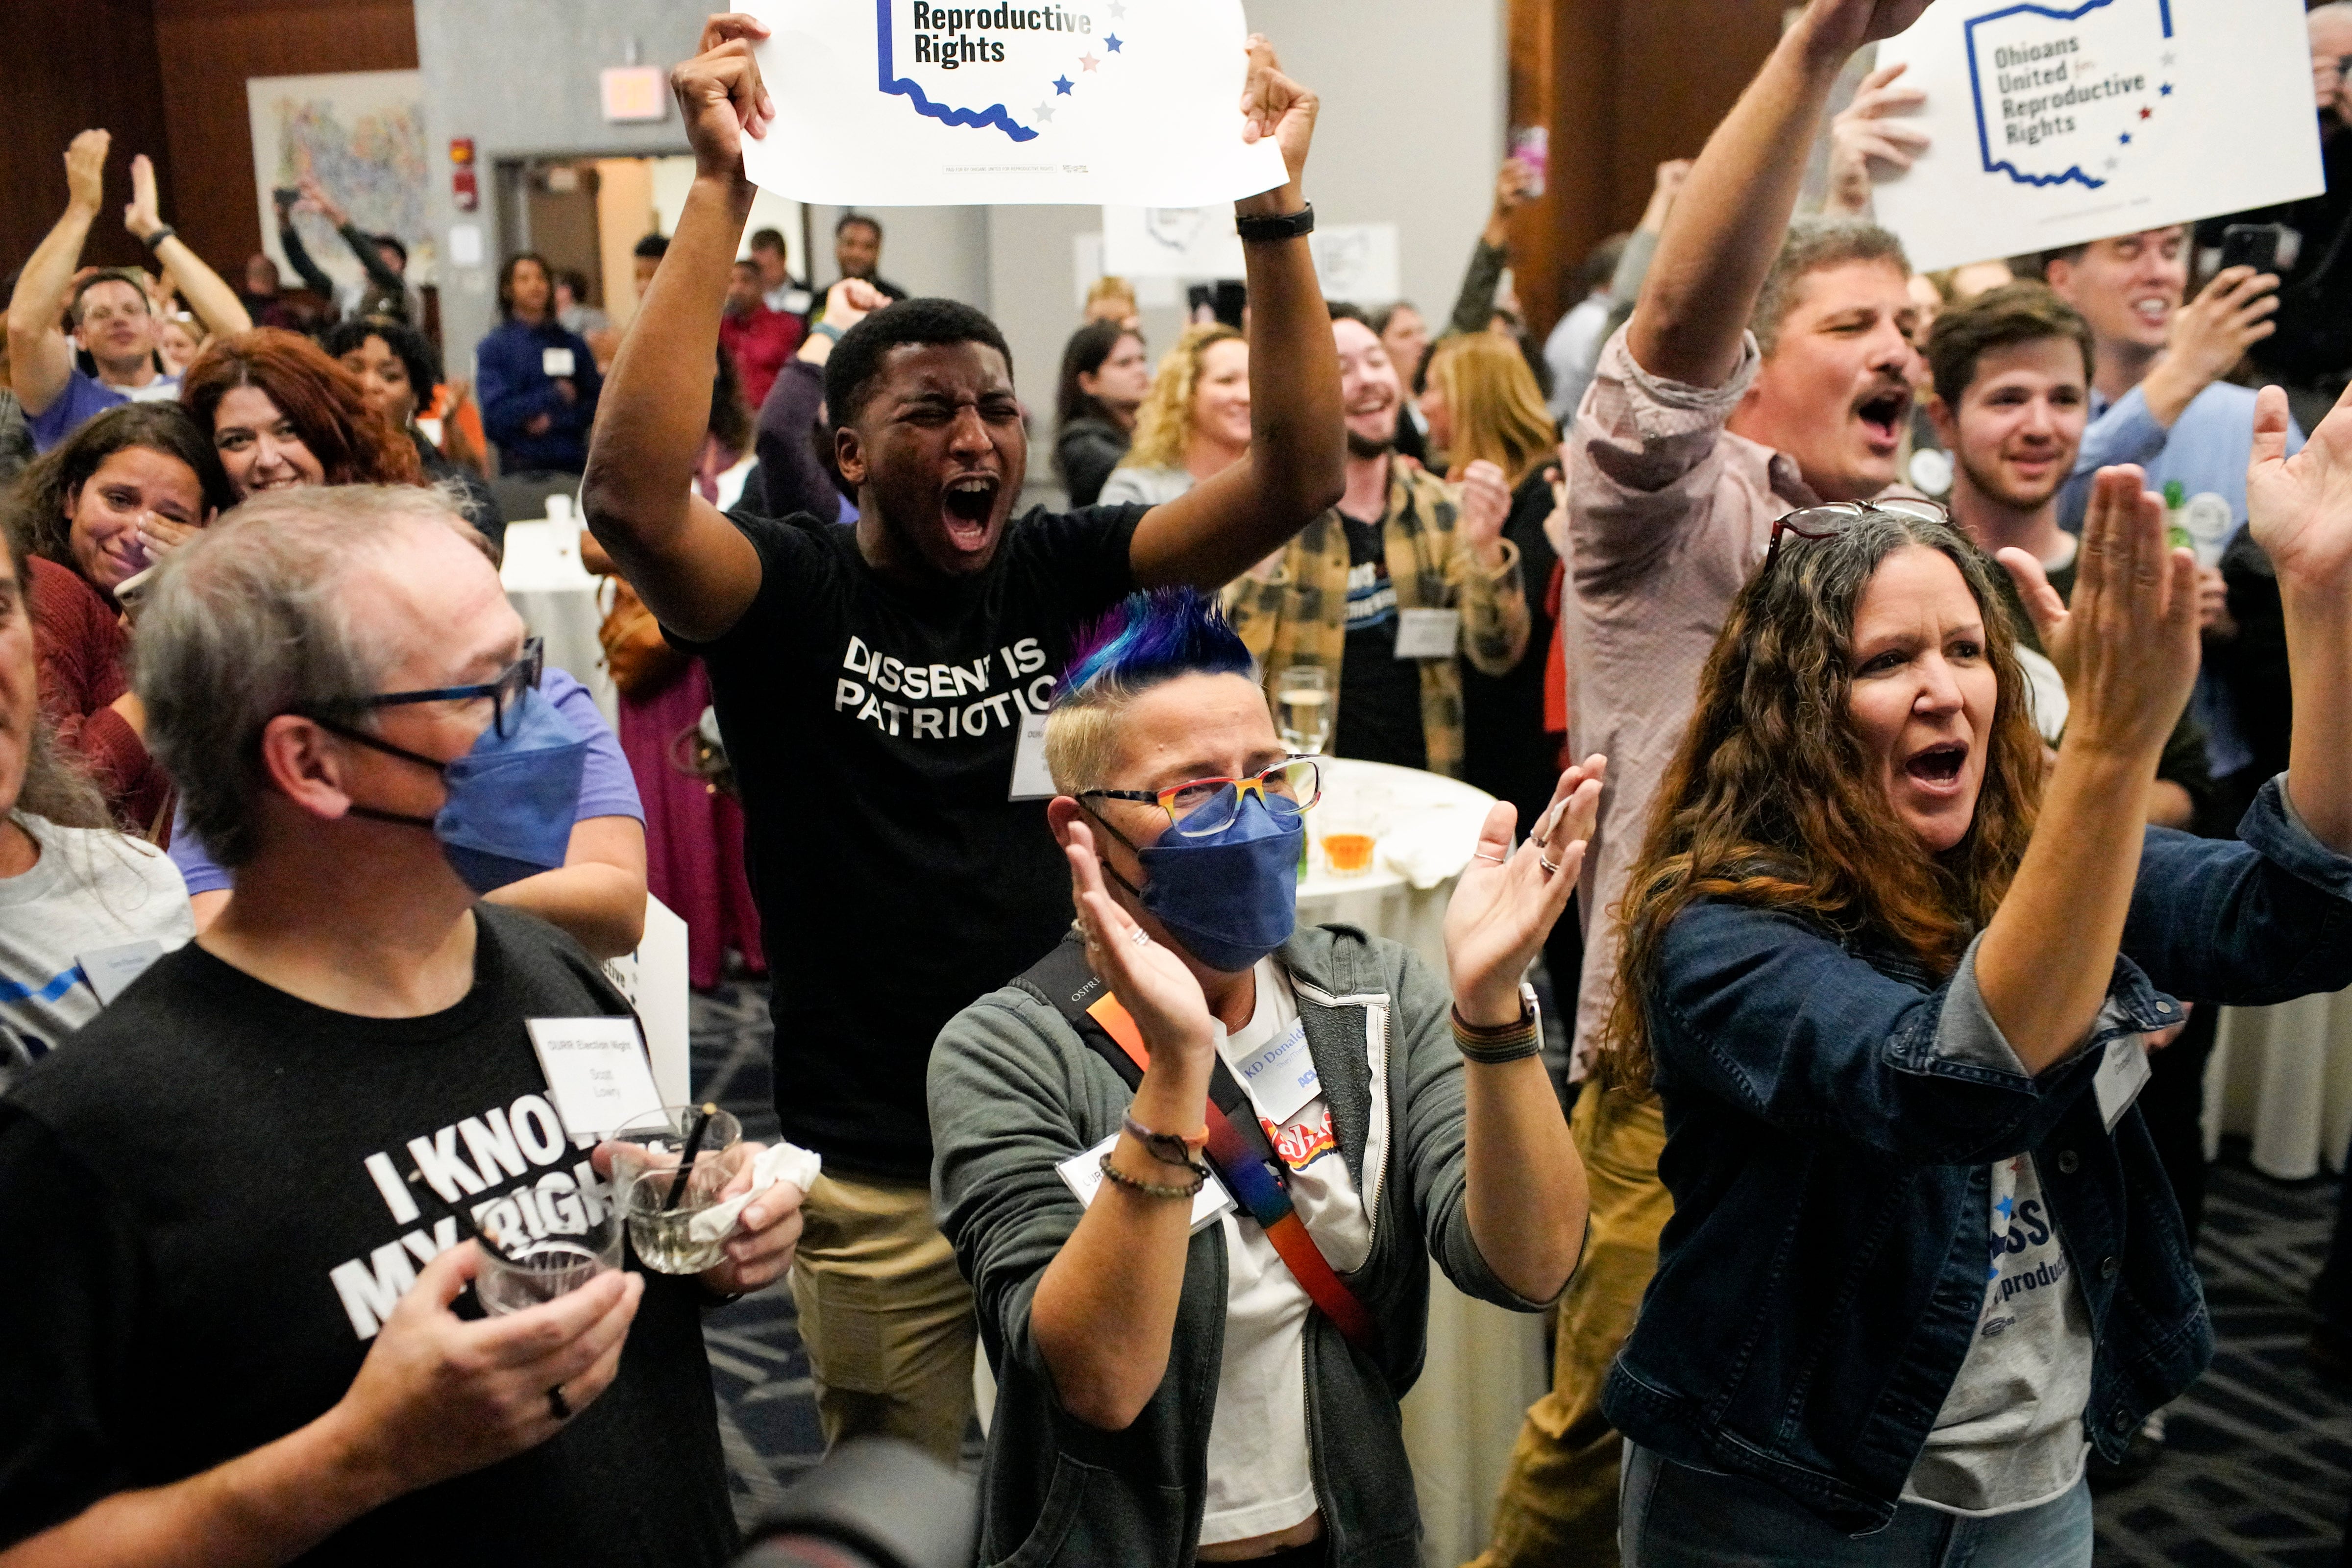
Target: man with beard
point(881, 689)
point(1766, 368)
point(1353, 591)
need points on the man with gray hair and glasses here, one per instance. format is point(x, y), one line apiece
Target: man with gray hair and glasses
point(238, 1212)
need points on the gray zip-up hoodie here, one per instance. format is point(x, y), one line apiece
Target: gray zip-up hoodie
point(1013, 1090)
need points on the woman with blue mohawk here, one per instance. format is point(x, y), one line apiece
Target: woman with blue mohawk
point(1195, 1163)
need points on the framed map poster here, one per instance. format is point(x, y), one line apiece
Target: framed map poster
point(361, 135)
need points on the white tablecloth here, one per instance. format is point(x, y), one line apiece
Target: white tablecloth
point(1484, 1365)
point(2283, 1077)
point(556, 597)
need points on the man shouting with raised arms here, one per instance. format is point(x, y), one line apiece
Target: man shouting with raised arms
point(881, 688)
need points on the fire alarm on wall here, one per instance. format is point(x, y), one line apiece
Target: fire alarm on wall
point(465, 189)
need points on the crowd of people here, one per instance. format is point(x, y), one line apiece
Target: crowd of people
point(1914, 708)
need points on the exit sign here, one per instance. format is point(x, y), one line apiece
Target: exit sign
point(634, 92)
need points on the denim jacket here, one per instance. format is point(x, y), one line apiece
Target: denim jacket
point(1830, 1115)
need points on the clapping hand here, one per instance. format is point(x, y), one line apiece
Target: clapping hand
point(1847, 24)
point(86, 170)
point(1506, 904)
point(2129, 645)
point(142, 215)
point(1486, 507)
point(2300, 506)
point(1159, 994)
point(721, 96)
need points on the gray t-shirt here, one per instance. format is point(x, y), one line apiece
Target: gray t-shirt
point(89, 892)
point(2009, 1435)
point(1147, 486)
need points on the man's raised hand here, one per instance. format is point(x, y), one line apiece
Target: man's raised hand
point(720, 94)
point(86, 170)
point(1845, 26)
point(1867, 132)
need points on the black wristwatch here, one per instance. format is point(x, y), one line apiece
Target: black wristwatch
point(162, 233)
point(1263, 227)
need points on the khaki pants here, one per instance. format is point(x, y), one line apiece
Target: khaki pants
point(1559, 1502)
point(884, 1314)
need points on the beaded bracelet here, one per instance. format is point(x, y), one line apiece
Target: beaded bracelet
point(1515, 1041)
point(1153, 1189)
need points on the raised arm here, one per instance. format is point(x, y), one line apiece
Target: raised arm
point(363, 244)
point(211, 300)
point(40, 356)
point(694, 570)
point(1728, 223)
point(2301, 516)
point(1474, 304)
point(1293, 471)
point(2128, 650)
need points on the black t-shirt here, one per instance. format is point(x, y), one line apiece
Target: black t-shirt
point(211, 1201)
point(1504, 748)
point(872, 726)
point(1379, 694)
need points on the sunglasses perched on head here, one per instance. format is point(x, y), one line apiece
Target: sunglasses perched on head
point(1833, 518)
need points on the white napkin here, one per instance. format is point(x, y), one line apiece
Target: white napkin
point(778, 1163)
point(1431, 844)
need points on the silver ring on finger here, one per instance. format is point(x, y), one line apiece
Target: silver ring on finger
point(557, 1405)
point(1550, 867)
point(1482, 855)
point(1139, 937)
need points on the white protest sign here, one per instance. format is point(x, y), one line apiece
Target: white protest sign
point(2058, 123)
point(1353, 261)
point(905, 103)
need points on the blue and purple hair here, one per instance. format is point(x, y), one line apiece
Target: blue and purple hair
point(1149, 639)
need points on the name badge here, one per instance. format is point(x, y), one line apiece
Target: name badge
point(1279, 1077)
point(2121, 1077)
point(556, 362)
point(1083, 1173)
point(598, 1071)
point(1428, 634)
point(1032, 780)
point(111, 970)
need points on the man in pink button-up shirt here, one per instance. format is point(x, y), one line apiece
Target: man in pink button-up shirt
point(1765, 369)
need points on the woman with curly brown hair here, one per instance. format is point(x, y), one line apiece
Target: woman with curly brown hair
point(1891, 984)
point(280, 412)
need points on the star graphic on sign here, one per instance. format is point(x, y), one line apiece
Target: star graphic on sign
point(1112, 43)
point(2124, 137)
point(2164, 92)
point(2002, 1207)
point(1116, 10)
point(1045, 111)
point(1062, 86)
point(2115, 163)
point(1088, 62)
point(2146, 113)
point(2168, 60)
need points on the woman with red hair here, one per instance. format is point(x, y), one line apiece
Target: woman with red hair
point(280, 412)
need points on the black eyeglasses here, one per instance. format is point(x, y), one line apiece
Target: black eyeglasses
point(506, 691)
point(1833, 518)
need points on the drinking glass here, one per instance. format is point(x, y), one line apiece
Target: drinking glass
point(538, 1243)
point(1302, 709)
point(646, 1154)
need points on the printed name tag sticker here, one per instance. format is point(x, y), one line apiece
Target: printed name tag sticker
point(1279, 1077)
point(1428, 634)
point(556, 362)
point(598, 1071)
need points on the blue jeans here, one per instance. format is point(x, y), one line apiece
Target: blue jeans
point(1677, 1517)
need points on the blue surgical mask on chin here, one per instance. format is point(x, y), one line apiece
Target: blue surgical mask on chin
point(512, 799)
point(1230, 896)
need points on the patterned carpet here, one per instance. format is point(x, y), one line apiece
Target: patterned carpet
point(2255, 1473)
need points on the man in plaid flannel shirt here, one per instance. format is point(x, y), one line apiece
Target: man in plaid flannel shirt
point(1340, 596)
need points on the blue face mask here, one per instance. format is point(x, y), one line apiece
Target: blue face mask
point(1230, 896)
point(513, 799)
